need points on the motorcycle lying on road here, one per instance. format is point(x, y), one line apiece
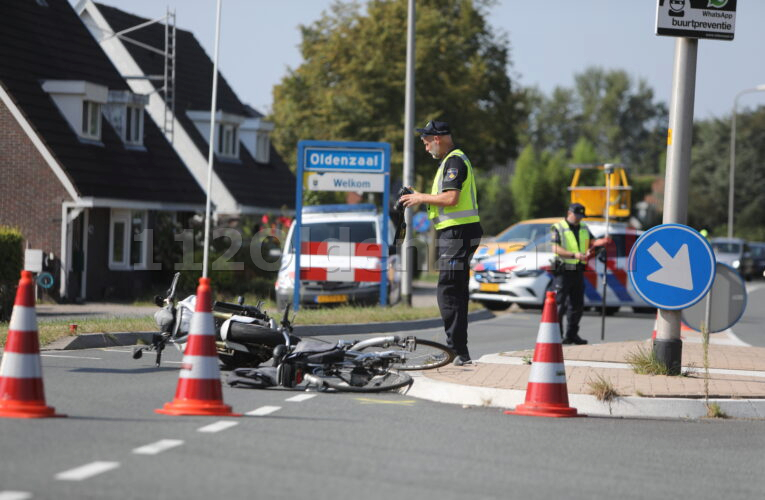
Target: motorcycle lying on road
point(247, 337)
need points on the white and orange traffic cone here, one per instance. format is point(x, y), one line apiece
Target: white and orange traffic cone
point(655, 326)
point(546, 392)
point(199, 389)
point(21, 383)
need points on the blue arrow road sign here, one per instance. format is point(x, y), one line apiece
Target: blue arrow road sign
point(672, 266)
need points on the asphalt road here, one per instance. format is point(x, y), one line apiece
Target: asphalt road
point(321, 445)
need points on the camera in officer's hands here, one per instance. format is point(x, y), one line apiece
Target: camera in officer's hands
point(399, 205)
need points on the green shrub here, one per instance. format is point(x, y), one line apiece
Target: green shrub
point(11, 264)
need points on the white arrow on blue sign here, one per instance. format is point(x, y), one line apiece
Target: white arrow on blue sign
point(672, 266)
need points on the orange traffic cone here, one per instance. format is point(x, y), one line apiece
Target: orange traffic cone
point(21, 384)
point(655, 326)
point(546, 393)
point(199, 389)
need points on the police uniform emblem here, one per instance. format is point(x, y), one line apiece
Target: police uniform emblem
point(451, 174)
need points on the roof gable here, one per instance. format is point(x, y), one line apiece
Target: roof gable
point(41, 43)
point(252, 184)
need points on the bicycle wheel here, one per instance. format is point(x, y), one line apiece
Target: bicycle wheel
point(389, 381)
point(427, 355)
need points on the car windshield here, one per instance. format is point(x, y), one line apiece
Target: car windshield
point(726, 247)
point(527, 232)
point(345, 231)
point(758, 251)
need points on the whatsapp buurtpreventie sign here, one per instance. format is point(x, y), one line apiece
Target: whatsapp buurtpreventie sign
point(696, 18)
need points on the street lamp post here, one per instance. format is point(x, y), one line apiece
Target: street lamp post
point(731, 180)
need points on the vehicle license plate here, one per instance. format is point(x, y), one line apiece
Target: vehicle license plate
point(330, 299)
point(489, 287)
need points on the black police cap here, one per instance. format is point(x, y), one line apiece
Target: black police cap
point(577, 209)
point(435, 128)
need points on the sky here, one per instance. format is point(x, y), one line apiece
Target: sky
point(550, 40)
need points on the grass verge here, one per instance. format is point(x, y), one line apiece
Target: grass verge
point(51, 330)
point(644, 362)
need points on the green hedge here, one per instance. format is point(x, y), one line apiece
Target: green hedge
point(11, 264)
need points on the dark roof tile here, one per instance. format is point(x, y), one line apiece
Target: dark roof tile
point(39, 43)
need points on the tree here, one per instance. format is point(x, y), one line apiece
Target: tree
point(351, 83)
point(495, 203)
point(616, 115)
point(709, 175)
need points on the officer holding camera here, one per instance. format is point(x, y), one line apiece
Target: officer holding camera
point(453, 208)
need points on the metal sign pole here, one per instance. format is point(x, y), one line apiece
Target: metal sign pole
point(211, 143)
point(608, 168)
point(408, 261)
point(668, 346)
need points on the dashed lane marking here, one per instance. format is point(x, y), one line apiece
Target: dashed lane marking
point(300, 397)
point(86, 471)
point(60, 356)
point(263, 411)
point(158, 447)
point(15, 495)
point(370, 401)
point(220, 425)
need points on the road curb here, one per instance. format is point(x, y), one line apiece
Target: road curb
point(438, 391)
point(100, 340)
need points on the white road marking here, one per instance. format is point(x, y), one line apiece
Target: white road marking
point(264, 410)
point(301, 397)
point(15, 495)
point(220, 425)
point(86, 471)
point(158, 447)
point(60, 356)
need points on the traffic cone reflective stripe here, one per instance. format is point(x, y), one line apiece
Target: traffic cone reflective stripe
point(21, 386)
point(546, 392)
point(199, 389)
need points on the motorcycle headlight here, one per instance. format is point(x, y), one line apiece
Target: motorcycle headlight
point(286, 281)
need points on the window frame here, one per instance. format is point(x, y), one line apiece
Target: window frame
point(227, 144)
point(134, 117)
point(91, 112)
point(262, 147)
point(125, 217)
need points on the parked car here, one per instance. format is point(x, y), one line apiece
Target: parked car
point(340, 257)
point(757, 249)
point(734, 252)
point(502, 277)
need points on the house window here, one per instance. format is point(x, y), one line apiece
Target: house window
point(91, 120)
point(228, 140)
point(262, 151)
point(134, 125)
point(127, 241)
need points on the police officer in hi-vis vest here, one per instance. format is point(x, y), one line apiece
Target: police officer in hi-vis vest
point(572, 243)
point(453, 208)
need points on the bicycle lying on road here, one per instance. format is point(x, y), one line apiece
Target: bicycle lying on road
point(247, 337)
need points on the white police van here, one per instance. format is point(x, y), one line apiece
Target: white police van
point(340, 257)
point(517, 268)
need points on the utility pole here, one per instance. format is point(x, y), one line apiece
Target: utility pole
point(408, 257)
point(668, 347)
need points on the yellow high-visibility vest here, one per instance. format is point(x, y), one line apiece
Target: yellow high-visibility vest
point(569, 243)
point(466, 209)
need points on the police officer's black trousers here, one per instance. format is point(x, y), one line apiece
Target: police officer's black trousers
point(569, 295)
point(456, 246)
